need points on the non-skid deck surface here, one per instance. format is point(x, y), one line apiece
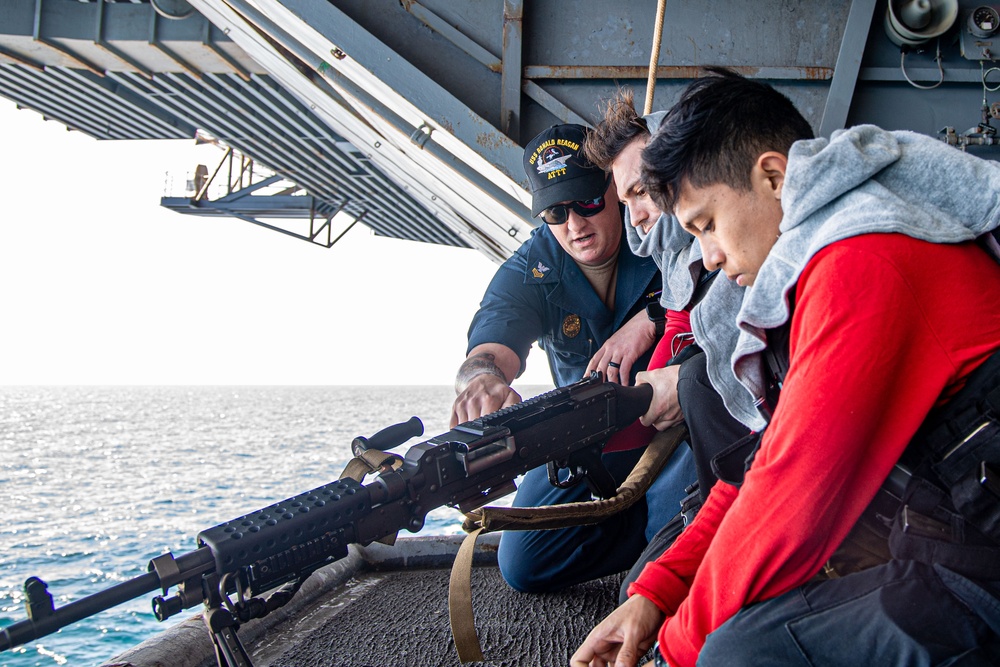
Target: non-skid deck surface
point(401, 618)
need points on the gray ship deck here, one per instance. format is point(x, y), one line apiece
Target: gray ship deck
point(389, 606)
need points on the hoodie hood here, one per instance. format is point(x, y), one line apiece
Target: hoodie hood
point(674, 250)
point(863, 180)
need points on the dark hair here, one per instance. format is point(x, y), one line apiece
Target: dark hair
point(619, 125)
point(715, 134)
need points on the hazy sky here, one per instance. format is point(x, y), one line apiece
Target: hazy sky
point(100, 285)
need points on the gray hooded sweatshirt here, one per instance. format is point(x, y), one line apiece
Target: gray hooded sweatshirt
point(674, 250)
point(679, 258)
point(863, 180)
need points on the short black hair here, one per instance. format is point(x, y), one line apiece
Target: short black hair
point(715, 134)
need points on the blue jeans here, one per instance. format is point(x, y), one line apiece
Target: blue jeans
point(545, 560)
point(902, 613)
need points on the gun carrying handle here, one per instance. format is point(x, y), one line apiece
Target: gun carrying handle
point(389, 437)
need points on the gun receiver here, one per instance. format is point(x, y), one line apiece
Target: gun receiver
point(466, 467)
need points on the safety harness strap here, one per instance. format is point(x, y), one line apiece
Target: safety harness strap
point(950, 510)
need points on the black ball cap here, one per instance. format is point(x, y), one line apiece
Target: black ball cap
point(557, 170)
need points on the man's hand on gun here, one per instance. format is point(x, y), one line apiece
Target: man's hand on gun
point(623, 637)
point(616, 356)
point(484, 394)
point(665, 410)
point(483, 382)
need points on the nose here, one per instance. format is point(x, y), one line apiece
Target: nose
point(575, 222)
point(638, 214)
point(711, 253)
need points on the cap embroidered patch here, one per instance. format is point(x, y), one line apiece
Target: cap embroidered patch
point(552, 161)
point(571, 326)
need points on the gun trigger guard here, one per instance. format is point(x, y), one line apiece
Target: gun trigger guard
point(576, 475)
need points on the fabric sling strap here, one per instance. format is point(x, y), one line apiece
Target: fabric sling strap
point(491, 519)
point(372, 461)
point(463, 626)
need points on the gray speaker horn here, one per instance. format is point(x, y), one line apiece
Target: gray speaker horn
point(913, 22)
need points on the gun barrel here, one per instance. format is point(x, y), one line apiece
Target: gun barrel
point(44, 619)
point(23, 632)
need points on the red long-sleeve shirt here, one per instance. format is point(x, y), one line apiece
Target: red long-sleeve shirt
point(884, 327)
point(673, 341)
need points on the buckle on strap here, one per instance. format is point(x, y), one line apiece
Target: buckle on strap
point(921, 525)
point(989, 479)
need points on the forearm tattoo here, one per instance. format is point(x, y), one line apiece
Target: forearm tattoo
point(477, 364)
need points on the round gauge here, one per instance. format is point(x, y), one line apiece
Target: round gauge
point(983, 21)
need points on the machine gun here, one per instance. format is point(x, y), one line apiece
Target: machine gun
point(280, 545)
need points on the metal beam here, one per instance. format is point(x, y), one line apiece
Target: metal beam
point(155, 42)
point(87, 103)
point(37, 36)
point(845, 72)
point(101, 43)
point(952, 75)
point(453, 35)
point(407, 91)
point(453, 192)
point(493, 63)
point(672, 72)
point(510, 77)
point(210, 43)
point(552, 105)
point(27, 62)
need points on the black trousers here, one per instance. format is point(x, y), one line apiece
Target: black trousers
point(710, 430)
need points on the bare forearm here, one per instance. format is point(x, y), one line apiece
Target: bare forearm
point(493, 359)
point(477, 364)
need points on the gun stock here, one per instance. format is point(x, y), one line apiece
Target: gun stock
point(466, 467)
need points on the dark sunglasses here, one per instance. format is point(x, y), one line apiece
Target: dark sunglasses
point(559, 214)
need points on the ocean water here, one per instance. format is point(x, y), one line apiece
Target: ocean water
point(96, 481)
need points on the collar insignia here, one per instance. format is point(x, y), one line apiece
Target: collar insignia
point(539, 270)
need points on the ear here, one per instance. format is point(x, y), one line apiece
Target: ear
point(769, 172)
